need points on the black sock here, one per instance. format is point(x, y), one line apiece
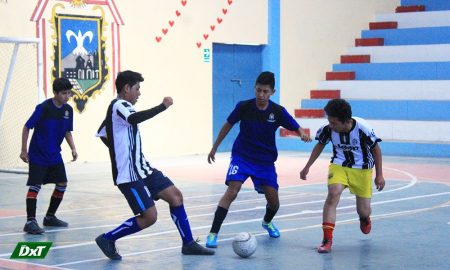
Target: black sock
point(55, 200)
point(31, 202)
point(270, 213)
point(219, 217)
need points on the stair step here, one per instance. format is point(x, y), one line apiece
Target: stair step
point(340, 75)
point(429, 5)
point(383, 25)
point(417, 19)
point(410, 36)
point(328, 94)
point(401, 9)
point(362, 58)
point(309, 113)
point(288, 133)
point(369, 42)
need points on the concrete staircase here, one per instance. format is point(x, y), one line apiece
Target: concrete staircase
point(397, 77)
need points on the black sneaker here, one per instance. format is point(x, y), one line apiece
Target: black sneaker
point(195, 249)
point(32, 227)
point(54, 221)
point(108, 247)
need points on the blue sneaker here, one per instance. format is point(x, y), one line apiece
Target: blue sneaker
point(211, 240)
point(271, 229)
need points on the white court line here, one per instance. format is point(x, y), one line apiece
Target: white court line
point(25, 264)
point(344, 222)
point(303, 212)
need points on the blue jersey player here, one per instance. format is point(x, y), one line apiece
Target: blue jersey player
point(254, 152)
point(52, 121)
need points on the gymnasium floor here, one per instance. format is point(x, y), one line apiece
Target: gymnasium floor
point(411, 219)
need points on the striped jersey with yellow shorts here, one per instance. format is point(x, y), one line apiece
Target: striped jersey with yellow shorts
point(352, 162)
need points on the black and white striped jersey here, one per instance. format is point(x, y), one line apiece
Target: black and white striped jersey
point(124, 143)
point(351, 149)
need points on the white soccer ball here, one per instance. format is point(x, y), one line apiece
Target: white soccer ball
point(244, 244)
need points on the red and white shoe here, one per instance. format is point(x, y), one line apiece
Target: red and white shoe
point(365, 225)
point(325, 247)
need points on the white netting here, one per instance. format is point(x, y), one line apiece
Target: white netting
point(20, 98)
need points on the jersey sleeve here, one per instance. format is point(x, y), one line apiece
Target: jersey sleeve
point(323, 135)
point(235, 115)
point(287, 121)
point(369, 136)
point(70, 127)
point(34, 118)
point(124, 110)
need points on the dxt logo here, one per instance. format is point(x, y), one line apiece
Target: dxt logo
point(31, 250)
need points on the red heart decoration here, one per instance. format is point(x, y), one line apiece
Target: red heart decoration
point(199, 44)
point(183, 2)
point(158, 39)
point(205, 36)
point(177, 13)
point(219, 20)
point(224, 11)
point(212, 27)
point(165, 30)
point(230, 2)
point(171, 23)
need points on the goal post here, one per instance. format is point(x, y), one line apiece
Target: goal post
point(21, 89)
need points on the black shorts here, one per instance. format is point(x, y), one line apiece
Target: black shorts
point(141, 194)
point(38, 174)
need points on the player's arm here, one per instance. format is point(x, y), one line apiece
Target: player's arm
point(142, 116)
point(317, 150)
point(222, 134)
point(69, 140)
point(24, 152)
point(377, 157)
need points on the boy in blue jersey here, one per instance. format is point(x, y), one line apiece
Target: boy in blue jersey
point(355, 152)
point(254, 152)
point(52, 121)
point(140, 183)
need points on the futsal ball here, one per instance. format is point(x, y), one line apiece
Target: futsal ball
point(244, 244)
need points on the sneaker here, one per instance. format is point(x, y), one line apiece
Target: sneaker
point(271, 229)
point(108, 247)
point(211, 240)
point(195, 248)
point(365, 224)
point(325, 247)
point(32, 227)
point(54, 221)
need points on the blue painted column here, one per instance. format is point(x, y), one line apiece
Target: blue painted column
point(271, 52)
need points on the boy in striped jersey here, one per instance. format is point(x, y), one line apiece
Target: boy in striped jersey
point(140, 183)
point(355, 152)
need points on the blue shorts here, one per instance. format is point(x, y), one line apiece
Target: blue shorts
point(261, 175)
point(141, 195)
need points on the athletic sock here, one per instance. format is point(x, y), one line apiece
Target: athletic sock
point(31, 201)
point(181, 220)
point(328, 230)
point(219, 217)
point(270, 213)
point(130, 226)
point(55, 200)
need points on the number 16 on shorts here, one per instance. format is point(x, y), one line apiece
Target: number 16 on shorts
point(233, 169)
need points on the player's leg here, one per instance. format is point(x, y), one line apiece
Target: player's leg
point(142, 205)
point(273, 204)
point(364, 210)
point(361, 185)
point(56, 174)
point(36, 174)
point(337, 182)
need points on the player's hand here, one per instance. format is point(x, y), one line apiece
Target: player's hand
point(379, 182)
point(304, 173)
point(74, 155)
point(24, 156)
point(304, 136)
point(211, 156)
point(167, 101)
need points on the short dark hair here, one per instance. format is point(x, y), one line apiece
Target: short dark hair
point(267, 78)
point(339, 108)
point(61, 84)
point(127, 77)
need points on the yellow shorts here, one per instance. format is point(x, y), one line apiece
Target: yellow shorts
point(358, 181)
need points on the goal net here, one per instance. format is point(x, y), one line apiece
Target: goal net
point(20, 92)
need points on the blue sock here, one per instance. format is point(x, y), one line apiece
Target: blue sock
point(130, 226)
point(180, 219)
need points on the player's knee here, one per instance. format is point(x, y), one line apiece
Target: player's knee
point(147, 219)
point(333, 198)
